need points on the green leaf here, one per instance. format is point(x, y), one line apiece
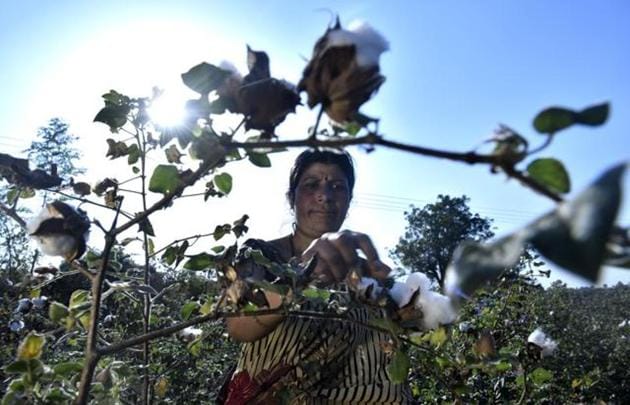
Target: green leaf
point(398, 369)
point(279, 289)
point(169, 255)
point(68, 368)
point(133, 154)
point(114, 116)
point(31, 347)
point(259, 159)
point(221, 230)
point(206, 308)
point(316, 293)
point(188, 308)
point(204, 78)
point(223, 182)
point(165, 179)
point(201, 261)
point(541, 375)
point(81, 189)
point(437, 337)
point(78, 299)
point(20, 366)
point(57, 311)
point(503, 366)
point(550, 173)
point(593, 116)
point(553, 119)
point(574, 235)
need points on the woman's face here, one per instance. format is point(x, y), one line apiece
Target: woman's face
point(322, 197)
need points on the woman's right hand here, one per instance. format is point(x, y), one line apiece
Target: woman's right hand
point(338, 253)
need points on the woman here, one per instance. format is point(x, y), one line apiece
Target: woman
point(316, 360)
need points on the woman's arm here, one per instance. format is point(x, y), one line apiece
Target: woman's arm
point(251, 328)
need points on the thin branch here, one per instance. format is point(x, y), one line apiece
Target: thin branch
point(175, 242)
point(532, 184)
point(11, 213)
point(541, 147)
point(91, 353)
point(317, 120)
point(85, 200)
point(126, 190)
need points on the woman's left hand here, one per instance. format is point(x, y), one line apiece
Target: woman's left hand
point(337, 254)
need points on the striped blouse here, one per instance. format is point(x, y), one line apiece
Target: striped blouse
point(327, 361)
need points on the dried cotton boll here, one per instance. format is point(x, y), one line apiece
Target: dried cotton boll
point(543, 342)
point(369, 43)
point(60, 230)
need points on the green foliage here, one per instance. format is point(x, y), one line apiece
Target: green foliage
point(551, 173)
point(554, 119)
point(434, 231)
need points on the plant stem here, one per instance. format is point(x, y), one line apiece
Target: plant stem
point(91, 352)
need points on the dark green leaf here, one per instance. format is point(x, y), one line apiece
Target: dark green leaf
point(550, 173)
point(114, 116)
point(594, 115)
point(279, 289)
point(473, 264)
point(133, 154)
point(574, 236)
point(239, 227)
point(204, 78)
point(207, 148)
point(259, 159)
point(145, 226)
point(553, 119)
point(20, 366)
point(68, 368)
point(223, 182)
point(201, 261)
point(188, 308)
point(398, 369)
point(169, 255)
point(165, 179)
point(221, 230)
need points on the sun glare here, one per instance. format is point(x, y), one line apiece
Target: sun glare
point(168, 109)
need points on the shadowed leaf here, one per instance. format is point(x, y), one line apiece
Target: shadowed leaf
point(165, 179)
point(398, 369)
point(204, 78)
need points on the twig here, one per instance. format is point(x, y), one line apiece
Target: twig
point(11, 213)
point(91, 353)
point(86, 201)
point(175, 242)
point(317, 120)
point(532, 184)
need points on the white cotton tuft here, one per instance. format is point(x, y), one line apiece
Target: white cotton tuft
point(544, 342)
point(56, 245)
point(189, 334)
point(369, 43)
point(437, 309)
point(402, 292)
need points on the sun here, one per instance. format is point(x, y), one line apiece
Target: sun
point(168, 109)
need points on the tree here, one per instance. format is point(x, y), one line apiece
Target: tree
point(55, 151)
point(434, 231)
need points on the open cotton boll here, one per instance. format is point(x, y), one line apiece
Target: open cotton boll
point(402, 292)
point(189, 334)
point(436, 308)
point(56, 245)
point(544, 342)
point(369, 43)
point(46, 213)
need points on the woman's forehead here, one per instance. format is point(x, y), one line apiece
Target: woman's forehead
point(324, 170)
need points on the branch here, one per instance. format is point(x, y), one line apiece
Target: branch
point(85, 200)
point(175, 242)
point(11, 213)
point(531, 183)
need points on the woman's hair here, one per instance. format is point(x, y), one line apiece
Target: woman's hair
point(341, 158)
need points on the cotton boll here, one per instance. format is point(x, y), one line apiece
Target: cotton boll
point(189, 334)
point(368, 42)
point(57, 245)
point(402, 292)
point(436, 308)
point(544, 342)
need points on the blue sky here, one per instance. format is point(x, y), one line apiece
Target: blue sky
point(455, 71)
